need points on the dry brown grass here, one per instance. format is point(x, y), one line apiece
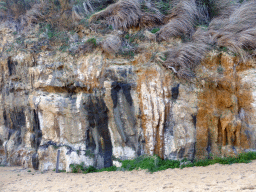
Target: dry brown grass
point(184, 59)
point(186, 14)
point(238, 32)
point(127, 13)
point(35, 13)
point(16, 8)
point(202, 35)
point(235, 31)
point(122, 14)
point(182, 21)
point(112, 44)
point(223, 8)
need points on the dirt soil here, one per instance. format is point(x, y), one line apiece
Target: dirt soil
point(236, 177)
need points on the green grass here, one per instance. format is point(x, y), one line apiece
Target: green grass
point(155, 30)
point(88, 153)
point(3, 6)
point(129, 54)
point(55, 146)
point(150, 163)
point(92, 41)
point(155, 163)
point(164, 6)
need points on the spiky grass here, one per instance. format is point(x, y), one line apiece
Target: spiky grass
point(182, 21)
point(184, 59)
point(126, 14)
point(238, 32)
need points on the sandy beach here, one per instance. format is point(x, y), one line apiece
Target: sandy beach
point(236, 177)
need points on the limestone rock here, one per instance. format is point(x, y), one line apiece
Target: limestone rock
point(96, 109)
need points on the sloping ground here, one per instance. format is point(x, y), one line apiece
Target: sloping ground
point(235, 177)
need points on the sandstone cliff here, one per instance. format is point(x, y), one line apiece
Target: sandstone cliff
point(96, 107)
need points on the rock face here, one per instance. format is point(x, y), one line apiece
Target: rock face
point(225, 109)
point(95, 109)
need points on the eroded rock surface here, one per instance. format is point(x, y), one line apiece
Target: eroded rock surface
point(95, 109)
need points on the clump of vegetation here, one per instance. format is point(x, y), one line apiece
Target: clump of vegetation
point(183, 59)
point(155, 163)
point(184, 18)
point(134, 38)
point(150, 163)
point(241, 158)
point(92, 41)
point(112, 168)
point(155, 30)
point(164, 6)
point(89, 154)
point(128, 54)
point(227, 25)
point(81, 168)
point(126, 14)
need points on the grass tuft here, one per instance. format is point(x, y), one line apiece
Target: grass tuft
point(155, 30)
point(92, 41)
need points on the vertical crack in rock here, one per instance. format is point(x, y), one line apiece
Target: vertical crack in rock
point(194, 120)
point(99, 136)
point(11, 66)
point(175, 92)
point(35, 138)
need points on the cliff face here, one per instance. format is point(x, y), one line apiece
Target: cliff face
point(96, 108)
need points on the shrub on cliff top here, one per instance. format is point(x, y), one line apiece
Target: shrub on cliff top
point(127, 13)
point(182, 21)
point(236, 31)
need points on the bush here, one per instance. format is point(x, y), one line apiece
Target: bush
point(92, 41)
point(151, 163)
point(164, 6)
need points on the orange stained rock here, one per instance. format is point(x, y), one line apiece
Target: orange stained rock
point(221, 100)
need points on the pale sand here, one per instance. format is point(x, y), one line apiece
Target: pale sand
point(236, 177)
